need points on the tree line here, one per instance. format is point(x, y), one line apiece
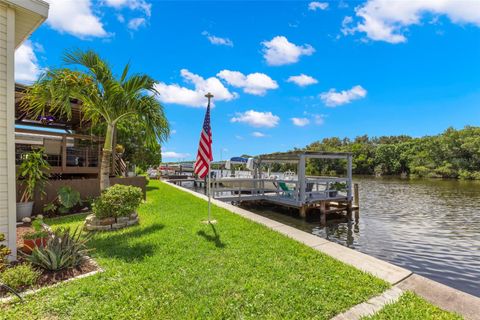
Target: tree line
point(451, 154)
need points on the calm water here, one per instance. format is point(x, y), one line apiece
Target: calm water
point(431, 227)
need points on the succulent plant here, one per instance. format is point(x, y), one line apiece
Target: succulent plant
point(64, 249)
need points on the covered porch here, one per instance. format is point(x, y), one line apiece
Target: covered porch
point(71, 149)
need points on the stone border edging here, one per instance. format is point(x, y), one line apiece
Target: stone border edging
point(33, 291)
point(92, 223)
point(372, 306)
point(444, 297)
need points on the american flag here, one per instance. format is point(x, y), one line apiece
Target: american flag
point(204, 155)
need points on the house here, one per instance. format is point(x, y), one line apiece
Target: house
point(73, 152)
point(71, 149)
point(18, 19)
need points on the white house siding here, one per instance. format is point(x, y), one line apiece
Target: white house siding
point(7, 164)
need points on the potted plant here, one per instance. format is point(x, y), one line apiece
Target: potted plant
point(31, 175)
point(335, 188)
point(36, 238)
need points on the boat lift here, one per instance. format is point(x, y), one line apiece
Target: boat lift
point(305, 193)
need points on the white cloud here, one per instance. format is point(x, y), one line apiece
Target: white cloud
point(319, 119)
point(253, 83)
point(141, 5)
point(120, 18)
point(26, 63)
point(136, 23)
point(302, 80)
point(174, 155)
point(173, 131)
point(75, 18)
point(174, 93)
point(280, 51)
point(218, 40)
point(257, 134)
point(386, 20)
point(332, 98)
point(257, 119)
point(314, 5)
point(300, 122)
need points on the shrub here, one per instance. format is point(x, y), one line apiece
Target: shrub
point(35, 235)
point(67, 199)
point(19, 276)
point(64, 249)
point(39, 231)
point(117, 201)
point(4, 252)
point(465, 175)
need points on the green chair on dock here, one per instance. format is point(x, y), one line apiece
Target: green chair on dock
point(286, 190)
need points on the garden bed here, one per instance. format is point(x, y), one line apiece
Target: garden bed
point(92, 223)
point(49, 278)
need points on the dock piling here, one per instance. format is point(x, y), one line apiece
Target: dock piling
point(323, 213)
point(355, 195)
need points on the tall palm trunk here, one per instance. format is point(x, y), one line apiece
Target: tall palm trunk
point(106, 158)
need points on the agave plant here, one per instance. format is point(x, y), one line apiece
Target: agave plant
point(64, 249)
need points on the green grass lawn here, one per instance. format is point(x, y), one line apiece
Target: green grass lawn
point(172, 266)
point(412, 307)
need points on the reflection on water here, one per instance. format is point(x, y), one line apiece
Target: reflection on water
point(431, 227)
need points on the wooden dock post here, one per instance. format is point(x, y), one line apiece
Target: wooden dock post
point(303, 212)
point(355, 194)
point(323, 213)
point(349, 211)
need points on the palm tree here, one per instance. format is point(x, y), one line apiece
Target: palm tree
point(104, 97)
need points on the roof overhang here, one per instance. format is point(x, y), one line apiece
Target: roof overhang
point(30, 14)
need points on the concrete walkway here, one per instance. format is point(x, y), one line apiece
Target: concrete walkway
point(438, 294)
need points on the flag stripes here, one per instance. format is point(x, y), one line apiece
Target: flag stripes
point(204, 155)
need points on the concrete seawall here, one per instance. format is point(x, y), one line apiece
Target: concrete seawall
point(436, 293)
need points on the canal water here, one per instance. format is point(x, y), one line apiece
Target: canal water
point(431, 227)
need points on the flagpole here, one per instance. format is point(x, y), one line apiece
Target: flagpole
point(209, 178)
point(209, 192)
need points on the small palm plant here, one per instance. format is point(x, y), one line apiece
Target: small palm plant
point(105, 99)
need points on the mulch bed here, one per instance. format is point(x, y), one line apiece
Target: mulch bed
point(48, 278)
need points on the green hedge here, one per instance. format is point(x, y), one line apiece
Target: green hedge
point(117, 201)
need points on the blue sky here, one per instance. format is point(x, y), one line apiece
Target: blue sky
point(284, 74)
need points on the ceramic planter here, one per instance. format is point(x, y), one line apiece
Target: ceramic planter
point(24, 210)
point(30, 244)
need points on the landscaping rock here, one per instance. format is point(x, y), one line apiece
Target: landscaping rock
point(132, 222)
point(123, 219)
point(119, 225)
point(92, 220)
point(26, 220)
point(92, 223)
point(107, 221)
point(98, 228)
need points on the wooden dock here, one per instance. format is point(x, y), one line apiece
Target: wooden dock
point(306, 194)
point(318, 196)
